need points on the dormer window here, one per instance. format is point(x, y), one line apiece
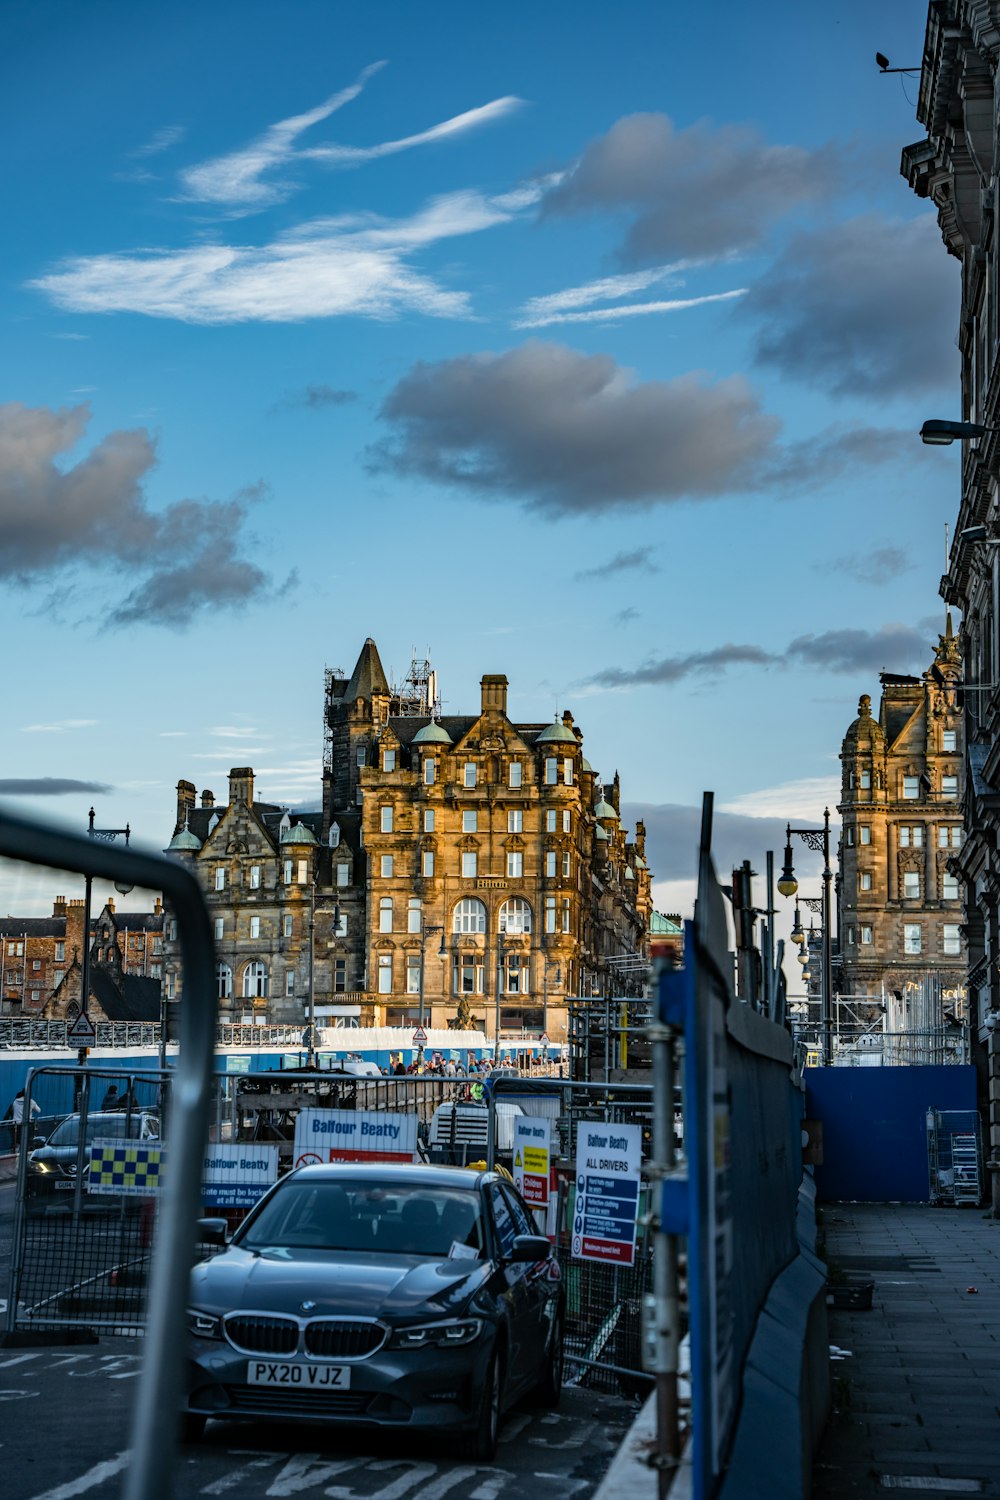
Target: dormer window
point(388, 760)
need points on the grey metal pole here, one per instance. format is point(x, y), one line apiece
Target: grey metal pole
point(665, 1302)
point(770, 988)
point(423, 964)
point(81, 1056)
point(827, 941)
point(311, 1008)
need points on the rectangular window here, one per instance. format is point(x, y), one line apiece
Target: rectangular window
point(286, 925)
point(515, 773)
point(911, 788)
point(865, 780)
point(911, 938)
point(303, 874)
point(551, 817)
point(469, 862)
point(956, 838)
point(343, 874)
point(550, 864)
point(427, 862)
point(60, 953)
point(220, 879)
point(469, 773)
point(289, 981)
point(567, 821)
point(949, 786)
point(386, 866)
point(340, 976)
point(866, 834)
point(430, 772)
point(362, 755)
point(515, 821)
point(36, 964)
point(565, 914)
point(949, 887)
point(949, 740)
point(952, 938)
point(550, 914)
point(849, 832)
point(429, 820)
point(255, 877)
point(551, 771)
point(286, 871)
point(866, 934)
point(385, 819)
point(943, 836)
point(850, 936)
point(385, 973)
point(866, 880)
point(515, 864)
point(413, 973)
point(568, 771)
point(220, 927)
point(470, 822)
point(255, 927)
point(385, 914)
point(911, 885)
point(340, 927)
point(389, 760)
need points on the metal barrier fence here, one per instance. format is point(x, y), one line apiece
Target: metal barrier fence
point(603, 1302)
point(80, 1259)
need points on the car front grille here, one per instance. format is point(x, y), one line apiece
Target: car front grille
point(343, 1338)
point(266, 1401)
point(254, 1333)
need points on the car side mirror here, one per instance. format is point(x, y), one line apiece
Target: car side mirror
point(530, 1247)
point(212, 1231)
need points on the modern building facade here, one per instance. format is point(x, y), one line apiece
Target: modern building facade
point(462, 868)
point(956, 168)
point(901, 909)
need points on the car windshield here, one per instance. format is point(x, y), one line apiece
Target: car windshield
point(99, 1127)
point(386, 1218)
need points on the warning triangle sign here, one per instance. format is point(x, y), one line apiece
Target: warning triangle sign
point(517, 1159)
point(419, 1037)
point(82, 1031)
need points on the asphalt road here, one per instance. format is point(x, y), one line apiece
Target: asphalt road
point(64, 1428)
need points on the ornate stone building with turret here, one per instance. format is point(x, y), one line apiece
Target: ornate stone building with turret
point(463, 868)
point(901, 803)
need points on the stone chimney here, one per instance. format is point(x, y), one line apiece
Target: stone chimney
point(185, 802)
point(241, 785)
point(567, 718)
point(59, 908)
point(208, 799)
point(494, 689)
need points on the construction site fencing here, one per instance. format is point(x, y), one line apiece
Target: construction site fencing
point(604, 1323)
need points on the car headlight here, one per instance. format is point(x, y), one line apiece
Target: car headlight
point(204, 1325)
point(38, 1166)
point(449, 1333)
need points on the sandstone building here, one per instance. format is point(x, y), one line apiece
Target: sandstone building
point(462, 867)
point(902, 784)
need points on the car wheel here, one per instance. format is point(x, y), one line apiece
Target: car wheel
point(481, 1443)
point(549, 1388)
point(192, 1427)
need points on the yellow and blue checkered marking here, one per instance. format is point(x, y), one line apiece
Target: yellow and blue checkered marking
point(126, 1167)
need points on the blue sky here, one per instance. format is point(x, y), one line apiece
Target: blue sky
point(583, 343)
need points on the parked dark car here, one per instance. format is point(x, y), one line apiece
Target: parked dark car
point(388, 1294)
point(52, 1166)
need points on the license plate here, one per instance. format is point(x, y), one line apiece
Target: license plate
point(308, 1377)
point(66, 1187)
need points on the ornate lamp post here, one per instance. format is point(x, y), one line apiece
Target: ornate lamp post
point(819, 841)
point(425, 933)
point(107, 836)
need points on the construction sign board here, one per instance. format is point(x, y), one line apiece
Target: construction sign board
point(236, 1176)
point(354, 1135)
point(532, 1141)
point(608, 1158)
point(126, 1168)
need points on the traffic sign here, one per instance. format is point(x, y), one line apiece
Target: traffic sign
point(82, 1031)
point(544, 1039)
point(532, 1138)
point(420, 1037)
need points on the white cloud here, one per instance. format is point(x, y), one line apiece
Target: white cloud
point(233, 732)
point(164, 138)
point(61, 726)
point(605, 289)
point(234, 181)
point(629, 310)
point(324, 268)
point(805, 798)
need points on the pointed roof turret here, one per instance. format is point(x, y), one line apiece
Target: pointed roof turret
point(368, 680)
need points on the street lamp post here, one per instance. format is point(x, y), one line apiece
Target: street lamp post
point(819, 841)
point(499, 992)
point(107, 836)
point(425, 933)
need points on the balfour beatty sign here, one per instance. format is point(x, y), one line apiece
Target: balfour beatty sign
point(236, 1176)
point(354, 1135)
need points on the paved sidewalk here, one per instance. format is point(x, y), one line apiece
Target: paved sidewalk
point(917, 1390)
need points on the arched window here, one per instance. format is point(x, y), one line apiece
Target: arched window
point(223, 981)
point(413, 914)
point(470, 916)
point(515, 916)
point(385, 914)
point(255, 981)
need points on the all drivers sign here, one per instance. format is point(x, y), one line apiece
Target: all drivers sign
point(354, 1135)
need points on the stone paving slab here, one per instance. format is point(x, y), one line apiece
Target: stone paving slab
point(919, 1397)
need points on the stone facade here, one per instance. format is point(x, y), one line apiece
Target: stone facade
point(902, 782)
point(459, 863)
point(40, 960)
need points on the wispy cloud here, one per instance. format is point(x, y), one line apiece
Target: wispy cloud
point(804, 798)
point(60, 726)
point(240, 181)
point(627, 310)
point(167, 136)
point(49, 786)
point(875, 566)
point(359, 265)
point(626, 616)
point(314, 398)
point(638, 561)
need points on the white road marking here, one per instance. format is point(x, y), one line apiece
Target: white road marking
point(418, 1474)
point(490, 1487)
point(18, 1359)
point(236, 1476)
point(304, 1470)
point(13, 1395)
point(514, 1427)
point(97, 1475)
